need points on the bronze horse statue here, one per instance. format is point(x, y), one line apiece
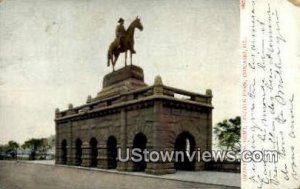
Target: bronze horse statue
point(126, 43)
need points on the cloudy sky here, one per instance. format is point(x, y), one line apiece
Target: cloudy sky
point(54, 52)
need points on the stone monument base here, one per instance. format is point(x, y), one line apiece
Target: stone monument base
point(127, 114)
point(125, 79)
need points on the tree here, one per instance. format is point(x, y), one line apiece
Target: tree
point(2, 151)
point(9, 150)
point(51, 141)
point(36, 145)
point(228, 134)
point(12, 148)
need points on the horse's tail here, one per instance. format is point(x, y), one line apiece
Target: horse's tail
point(108, 58)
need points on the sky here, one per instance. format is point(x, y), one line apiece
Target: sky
point(53, 53)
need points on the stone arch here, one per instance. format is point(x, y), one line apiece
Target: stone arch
point(64, 151)
point(184, 146)
point(78, 152)
point(93, 152)
point(140, 142)
point(112, 152)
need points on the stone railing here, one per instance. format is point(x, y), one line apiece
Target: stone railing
point(156, 90)
point(186, 95)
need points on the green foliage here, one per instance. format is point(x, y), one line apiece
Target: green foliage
point(40, 145)
point(2, 151)
point(35, 145)
point(228, 134)
point(9, 149)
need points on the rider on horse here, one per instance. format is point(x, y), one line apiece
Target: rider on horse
point(123, 42)
point(120, 33)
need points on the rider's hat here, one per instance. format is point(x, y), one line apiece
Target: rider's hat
point(121, 20)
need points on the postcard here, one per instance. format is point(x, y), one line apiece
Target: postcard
point(149, 94)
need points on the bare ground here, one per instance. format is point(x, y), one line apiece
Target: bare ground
point(15, 175)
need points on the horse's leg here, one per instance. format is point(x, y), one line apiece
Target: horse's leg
point(125, 57)
point(130, 58)
point(112, 60)
point(116, 58)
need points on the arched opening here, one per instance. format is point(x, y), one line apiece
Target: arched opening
point(93, 152)
point(140, 142)
point(111, 152)
point(184, 148)
point(78, 152)
point(64, 152)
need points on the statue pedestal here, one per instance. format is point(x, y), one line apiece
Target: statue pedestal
point(125, 79)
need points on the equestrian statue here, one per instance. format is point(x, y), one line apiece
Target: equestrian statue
point(123, 42)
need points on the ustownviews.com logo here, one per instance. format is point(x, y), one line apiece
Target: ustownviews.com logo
point(138, 155)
